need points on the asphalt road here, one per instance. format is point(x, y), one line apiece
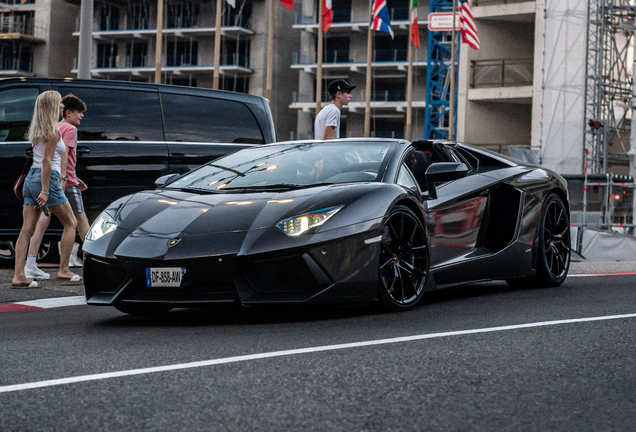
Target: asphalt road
point(448, 373)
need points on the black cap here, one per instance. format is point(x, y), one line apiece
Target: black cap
point(339, 85)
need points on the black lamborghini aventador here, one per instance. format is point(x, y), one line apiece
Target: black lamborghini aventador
point(341, 221)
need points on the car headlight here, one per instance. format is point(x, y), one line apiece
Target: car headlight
point(104, 224)
point(302, 223)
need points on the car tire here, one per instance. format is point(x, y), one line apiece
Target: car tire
point(404, 260)
point(7, 254)
point(553, 258)
point(143, 309)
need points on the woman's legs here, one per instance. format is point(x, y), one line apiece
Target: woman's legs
point(30, 216)
point(64, 213)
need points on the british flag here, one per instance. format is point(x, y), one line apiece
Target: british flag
point(380, 20)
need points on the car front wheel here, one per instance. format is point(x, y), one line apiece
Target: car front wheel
point(404, 260)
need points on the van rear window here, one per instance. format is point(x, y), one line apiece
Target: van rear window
point(204, 119)
point(118, 114)
point(16, 110)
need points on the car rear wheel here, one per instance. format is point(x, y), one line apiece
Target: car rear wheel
point(553, 260)
point(403, 260)
point(143, 309)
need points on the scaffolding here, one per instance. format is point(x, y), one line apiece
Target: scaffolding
point(438, 72)
point(608, 84)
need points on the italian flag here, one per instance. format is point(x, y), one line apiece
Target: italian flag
point(415, 30)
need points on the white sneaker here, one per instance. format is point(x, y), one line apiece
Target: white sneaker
point(74, 260)
point(35, 273)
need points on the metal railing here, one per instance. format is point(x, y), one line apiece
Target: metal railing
point(399, 134)
point(181, 60)
point(501, 73)
point(236, 20)
point(390, 55)
point(22, 24)
point(18, 63)
point(497, 2)
point(235, 59)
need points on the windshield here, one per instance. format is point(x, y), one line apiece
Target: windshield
point(290, 166)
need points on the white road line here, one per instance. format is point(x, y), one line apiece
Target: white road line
point(55, 302)
point(236, 359)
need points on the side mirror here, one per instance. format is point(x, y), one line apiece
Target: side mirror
point(166, 180)
point(440, 172)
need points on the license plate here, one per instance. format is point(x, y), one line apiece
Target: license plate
point(164, 276)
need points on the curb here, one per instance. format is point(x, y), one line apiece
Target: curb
point(43, 304)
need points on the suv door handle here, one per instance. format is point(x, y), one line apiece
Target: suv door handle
point(82, 150)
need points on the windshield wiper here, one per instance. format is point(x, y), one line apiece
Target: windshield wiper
point(276, 186)
point(198, 190)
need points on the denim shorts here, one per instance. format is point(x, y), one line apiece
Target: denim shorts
point(33, 187)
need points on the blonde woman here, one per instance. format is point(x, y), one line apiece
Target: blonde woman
point(43, 188)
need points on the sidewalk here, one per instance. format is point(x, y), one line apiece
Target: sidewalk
point(54, 288)
point(50, 288)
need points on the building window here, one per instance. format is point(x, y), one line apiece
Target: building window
point(108, 18)
point(237, 84)
point(17, 22)
point(236, 53)
point(385, 50)
point(106, 55)
point(182, 53)
point(136, 54)
point(15, 56)
point(336, 50)
point(138, 16)
point(183, 14)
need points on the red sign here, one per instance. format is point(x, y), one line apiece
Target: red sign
point(442, 21)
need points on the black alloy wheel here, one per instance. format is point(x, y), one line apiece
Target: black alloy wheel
point(554, 241)
point(403, 260)
point(553, 255)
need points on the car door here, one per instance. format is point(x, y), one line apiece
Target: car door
point(16, 110)
point(200, 129)
point(120, 148)
point(456, 215)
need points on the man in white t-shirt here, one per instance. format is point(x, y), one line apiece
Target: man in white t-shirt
point(327, 124)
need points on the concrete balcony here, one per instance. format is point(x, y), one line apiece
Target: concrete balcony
point(355, 61)
point(505, 10)
point(345, 21)
point(384, 102)
point(505, 80)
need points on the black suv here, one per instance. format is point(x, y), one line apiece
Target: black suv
point(132, 134)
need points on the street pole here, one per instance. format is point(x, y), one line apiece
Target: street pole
point(319, 61)
point(217, 44)
point(270, 53)
point(84, 61)
point(159, 49)
point(367, 106)
point(409, 88)
point(451, 113)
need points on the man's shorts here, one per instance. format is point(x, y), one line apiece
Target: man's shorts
point(74, 195)
point(33, 187)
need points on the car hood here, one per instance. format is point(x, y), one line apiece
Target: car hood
point(217, 224)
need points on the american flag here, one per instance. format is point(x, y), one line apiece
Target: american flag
point(467, 25)
point(380, 20)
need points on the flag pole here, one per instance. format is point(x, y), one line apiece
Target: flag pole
point(367, 110)
point(319, 61)
point(159, 42)
point(451, 114)
point(270, 53)
point(217, 44)
point(409, 87)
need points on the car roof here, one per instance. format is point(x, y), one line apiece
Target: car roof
point(132, 85)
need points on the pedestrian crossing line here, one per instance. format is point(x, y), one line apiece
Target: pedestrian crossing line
point(43, 304)
point(285, 353)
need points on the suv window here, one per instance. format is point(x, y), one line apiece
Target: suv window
point(217, 120)
point(118, 114)
point(16, 110)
